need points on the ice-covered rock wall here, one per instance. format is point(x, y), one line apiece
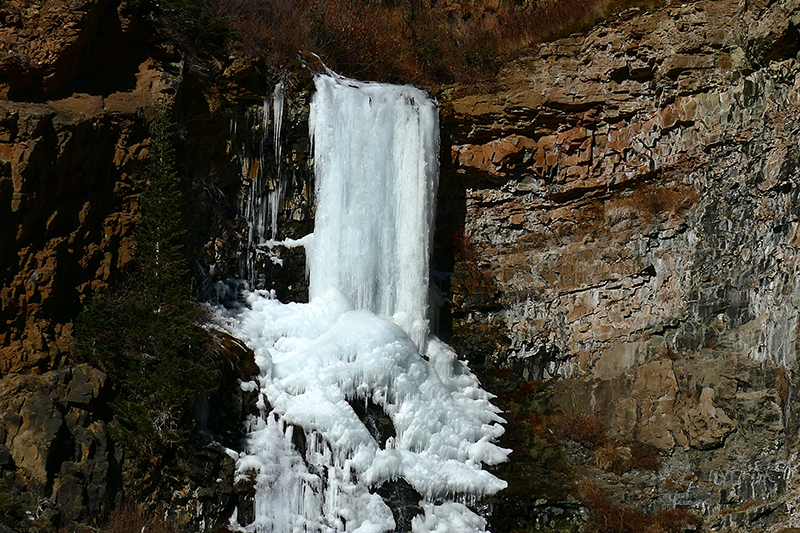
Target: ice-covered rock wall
point(264, 181)
point(362, 342)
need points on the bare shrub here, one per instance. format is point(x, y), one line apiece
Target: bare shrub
point(610, 517)
point(619, 459)
point(407, 40)
point(607, 516)
point(132, 518)
point(673, 520)
point(643, 457)
point(587, 430)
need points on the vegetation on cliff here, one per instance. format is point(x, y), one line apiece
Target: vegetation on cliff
point(146, 334)
point(12, 512)
point(416, 41)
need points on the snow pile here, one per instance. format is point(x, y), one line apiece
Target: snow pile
point(364, 339)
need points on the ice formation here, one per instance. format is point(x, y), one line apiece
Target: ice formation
point(264, 181)
point(376, 164)
point(363, 338)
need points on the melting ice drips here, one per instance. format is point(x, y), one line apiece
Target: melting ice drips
point(364, 338)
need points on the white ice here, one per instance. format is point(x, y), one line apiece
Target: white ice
point(376, 168)
point(260, 198)
point(364, 336)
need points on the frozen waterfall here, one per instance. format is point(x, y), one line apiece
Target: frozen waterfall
point(376, 166)
point(363, 339)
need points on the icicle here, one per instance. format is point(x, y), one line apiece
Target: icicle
point(264, 184)
point(276, 194)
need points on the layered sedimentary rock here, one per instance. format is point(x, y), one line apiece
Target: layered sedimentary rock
point(631, 238)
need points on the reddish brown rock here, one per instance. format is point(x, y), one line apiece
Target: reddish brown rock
point(71, 222)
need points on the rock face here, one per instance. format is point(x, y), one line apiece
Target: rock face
point(53, 429)
point(77, 93)
point(80, 84)
point(630, 237)
point(67, 194)
point(68, 226)
point(51, 49)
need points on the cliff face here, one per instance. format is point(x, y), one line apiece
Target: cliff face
point(619, 212)
point(79, 86)
point(66, 162)
point(629, 251)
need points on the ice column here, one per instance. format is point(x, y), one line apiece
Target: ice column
point(376, 170)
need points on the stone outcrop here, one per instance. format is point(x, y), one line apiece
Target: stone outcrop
point(68, 172)
point(52, 49)
point(54, 440)
point(60, 457)
point(68, 224)
point(630, 236)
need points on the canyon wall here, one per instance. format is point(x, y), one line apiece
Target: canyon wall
point(628, 261)
point(618, 238)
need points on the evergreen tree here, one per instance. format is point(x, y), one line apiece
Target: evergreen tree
point(162, 266)
point(146, 334)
